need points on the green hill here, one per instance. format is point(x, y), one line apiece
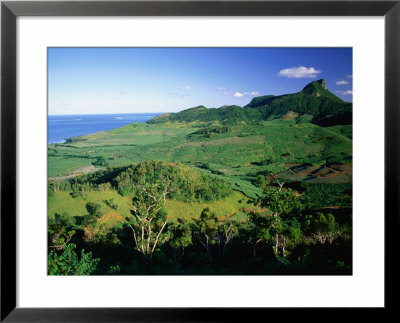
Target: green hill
point(314, 99)
point(187, 183)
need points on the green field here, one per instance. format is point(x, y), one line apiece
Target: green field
point(238, 155)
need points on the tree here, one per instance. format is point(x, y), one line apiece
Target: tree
point(60, 231)
point(290, 234)
point(68, 263)
point(93, 209)
point(206, 229)
point(281, 202)
point(181, 238)
point(111, 203)
point(261, 181)
point(227, 230)
point(94, 213)
point(320, 228)
point(258, 230)
point(212, 232)
point(148, 221)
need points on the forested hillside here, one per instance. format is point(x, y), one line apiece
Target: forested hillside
point(314, 100)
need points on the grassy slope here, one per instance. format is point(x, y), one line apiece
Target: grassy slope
point(345, 130)
point(62, 202)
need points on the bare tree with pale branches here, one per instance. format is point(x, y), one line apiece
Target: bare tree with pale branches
point(227, 231)
point(147, 222)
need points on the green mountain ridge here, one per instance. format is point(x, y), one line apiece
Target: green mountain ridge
point(314, 99)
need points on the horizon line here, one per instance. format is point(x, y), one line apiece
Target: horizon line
point(86, 114)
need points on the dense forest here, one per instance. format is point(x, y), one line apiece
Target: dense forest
point(264, 189)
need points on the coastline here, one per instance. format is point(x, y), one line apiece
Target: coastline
point(63, 127)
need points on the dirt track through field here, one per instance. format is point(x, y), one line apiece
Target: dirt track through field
point(76, 172)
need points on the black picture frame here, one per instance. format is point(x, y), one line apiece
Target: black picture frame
point(10, 10)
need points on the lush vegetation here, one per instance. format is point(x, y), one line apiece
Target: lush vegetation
point(313, 100)
point(286, 239)
point(263, 189)
point(188, 184)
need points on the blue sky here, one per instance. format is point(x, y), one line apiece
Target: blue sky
point(141, 80)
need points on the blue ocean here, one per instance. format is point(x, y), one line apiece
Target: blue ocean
point(62, 127)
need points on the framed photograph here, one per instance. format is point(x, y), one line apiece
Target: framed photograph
point(219, 150)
